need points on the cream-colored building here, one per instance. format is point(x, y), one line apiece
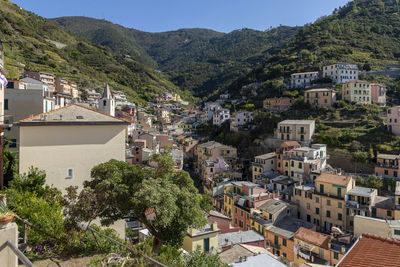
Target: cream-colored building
point(296, 130)
point(384, 228)
point(262, 163)
point(212, 150)
point(68, 142)
point(357, 91)
point(324, 203)
point(44, 77)
point(202, 239)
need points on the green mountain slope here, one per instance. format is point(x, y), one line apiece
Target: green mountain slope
point(365, 32)
point(29, 44)
point(199, 60)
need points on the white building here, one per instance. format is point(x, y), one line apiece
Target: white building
point(107, 102)
point(341, 72)
point(220, 116)
point(211, 108)
point(303, 79)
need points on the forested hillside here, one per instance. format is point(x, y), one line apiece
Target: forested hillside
point(365, 32)
point(197, 60)
point(29, 42)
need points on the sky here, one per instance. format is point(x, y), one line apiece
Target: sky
point(166, 15)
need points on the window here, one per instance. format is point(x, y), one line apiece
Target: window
point(5, 104)
point(339, 216)
point(339, 192)
point(276, 240)
point(316, 199)
point(317, 211)
point(247, 216)
point(206, 244)
point(328, 202)
point(335, 255)
point(70, 173)
point(241, 224)
point(308, 218)
point(389, 213)
point(284, 243)
point(339, 204)
point(241, 213)
point(397, 232)
point(300, 165)
point(328, 213)
point(308, 206)
point(292, 163)
point(386, 172)
point(13, 143)
point(321, 188)
point(351, 223)
point(235, 210)
point(284, 254)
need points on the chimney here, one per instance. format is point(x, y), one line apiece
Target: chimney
point(343, 250)
point(192, 231)
point(214, 226)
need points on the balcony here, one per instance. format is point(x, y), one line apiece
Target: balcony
point(285, 130)
point(387, 166)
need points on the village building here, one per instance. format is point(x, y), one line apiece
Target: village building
point(393, 120)
point(278, 103)
point(321, 98)
point(303, 79)
point(296, 130)
point(357, 91)
point(341, 72)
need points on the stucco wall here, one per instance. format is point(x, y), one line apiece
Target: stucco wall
point(57, 148)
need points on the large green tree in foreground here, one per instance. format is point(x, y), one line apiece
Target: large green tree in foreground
point(163, 199)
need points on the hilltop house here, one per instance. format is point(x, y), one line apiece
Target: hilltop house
point(341, 72)
point(303, 79)
point(321, 97)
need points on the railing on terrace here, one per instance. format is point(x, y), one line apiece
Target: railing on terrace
point(17, 252)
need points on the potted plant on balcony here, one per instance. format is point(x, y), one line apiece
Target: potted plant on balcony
point(6, 215)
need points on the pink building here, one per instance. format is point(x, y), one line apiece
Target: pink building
point(393, 120)
point(223, 222)
point(164, 140)
point(378, 93)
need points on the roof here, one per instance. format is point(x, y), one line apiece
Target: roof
point(288, 226)
point(290, 143)
point(260, 260)
point(297, 122)
point(218, 214)
point(234, 253)
point(371, 251)
point(72, 115)
point(201, 231)
point(333, 179)
point(320, 90)
point(362, 191)
point(300, 73)
point(240, 237)
point(388, 156)
point(266, 156)
point(273, 206)
point(383, 202)
point(211, 144)
point(313, 237)
point(107, 92)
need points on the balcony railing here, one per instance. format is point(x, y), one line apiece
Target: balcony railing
point(17, 252)
point(389, 166)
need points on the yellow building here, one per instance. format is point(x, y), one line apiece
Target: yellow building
point(322, 97)
point(263, 163)
point(357, 91)
point(324, 203)
point(296, 130)
point(202, 239)
point(314, 247)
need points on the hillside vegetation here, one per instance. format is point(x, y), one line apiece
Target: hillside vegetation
point(364, 32)
point(197, 60)
point(29, 45)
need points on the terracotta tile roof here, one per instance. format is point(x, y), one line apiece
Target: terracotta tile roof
point(291, 143)
point(372, 251)
point(312, 237)
point(334, 179)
